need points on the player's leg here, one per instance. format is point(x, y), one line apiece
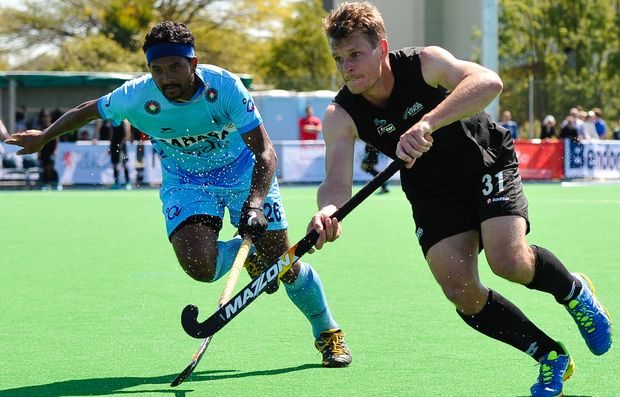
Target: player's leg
point(448, 231)
point(304, 288)
point(453, 263)
point(369, 165)
point(302, 283)
point(115, 159)
point(510, 257)
point(124, 157)
point(193, 221)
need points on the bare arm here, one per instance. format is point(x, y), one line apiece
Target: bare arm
point(339, 133)
point(259, 143)
point(472, 87)
point(32, 141)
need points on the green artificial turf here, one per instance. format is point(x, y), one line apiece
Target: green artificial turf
point(92, 294)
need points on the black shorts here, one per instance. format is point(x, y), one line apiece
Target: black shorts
point(118, 153)
point(371, 156)
point(497, 192)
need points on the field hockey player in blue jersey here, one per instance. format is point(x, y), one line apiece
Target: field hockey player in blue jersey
point(215, 154)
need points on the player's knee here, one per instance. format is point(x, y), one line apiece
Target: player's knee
point(510, 265)
point(199, 270)
point(455, 294)
point(464, 295)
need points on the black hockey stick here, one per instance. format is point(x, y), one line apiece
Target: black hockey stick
point(223, 315)
point(231, 281)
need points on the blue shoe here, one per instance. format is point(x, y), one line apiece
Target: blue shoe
point(554, 370)
point(591, 317)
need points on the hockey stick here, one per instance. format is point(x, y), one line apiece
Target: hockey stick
point(224, 314)
point(231, 281)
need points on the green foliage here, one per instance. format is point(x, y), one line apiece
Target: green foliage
point(104, 35)
point(300, 59)
point(124, 22)
point(98, 53)
point(570, 48)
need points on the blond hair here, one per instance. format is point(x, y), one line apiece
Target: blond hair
point(350, 18)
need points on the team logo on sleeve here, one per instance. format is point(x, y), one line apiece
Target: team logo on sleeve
point(249, 104)
point(211, 94)
point(152, 107)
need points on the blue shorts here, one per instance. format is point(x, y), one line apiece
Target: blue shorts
point(180, 202)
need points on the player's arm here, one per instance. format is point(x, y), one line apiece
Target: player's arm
point(339, 133)
point(259, 143)
point(253, 221)
point(32, 141)
point(471, 88)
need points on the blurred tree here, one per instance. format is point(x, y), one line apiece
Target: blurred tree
point(299, 58)
point(570, 48)
point(125, 20)
point(97, 53)
point(107, 34)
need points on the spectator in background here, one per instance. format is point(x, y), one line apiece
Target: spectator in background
point(569, 129)
point(599, 123)
point(48, 176)
point(139, 138)
point(118, 135)
point(547, 130)
point(588, 133)
point(84, 135)
point(511, 125)
point(20, 120)
point(369, 162)
point(309, 126)
point(574, 115)
point(617, 131)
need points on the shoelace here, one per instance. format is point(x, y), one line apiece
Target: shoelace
point(583, 315)
point(335, 342)
point(546, 374)
point(547, 371)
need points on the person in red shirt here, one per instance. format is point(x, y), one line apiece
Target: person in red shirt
point(309, 126)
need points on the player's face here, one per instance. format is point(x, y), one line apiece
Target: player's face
point(174, 76)
point(358, 62)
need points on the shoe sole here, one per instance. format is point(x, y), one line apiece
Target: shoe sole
point(335, 364)
point(593, 289)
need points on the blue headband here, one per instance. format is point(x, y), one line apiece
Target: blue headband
point(169, 49)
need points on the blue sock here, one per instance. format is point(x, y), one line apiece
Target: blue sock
point(226, 253)
point(306, 292)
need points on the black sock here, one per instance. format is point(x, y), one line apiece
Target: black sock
point(501, 320)
point(372, 171)
point(551, 276)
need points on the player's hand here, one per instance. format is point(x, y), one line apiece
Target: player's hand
point(31, 141)
point(253, 222)
point(414, 143)
point(328, 228)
